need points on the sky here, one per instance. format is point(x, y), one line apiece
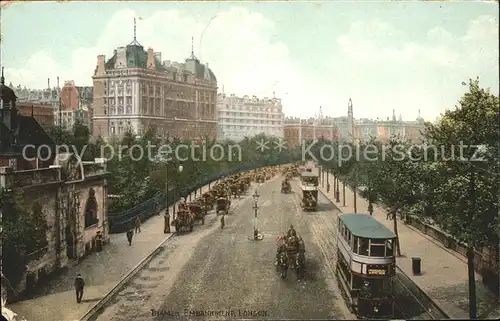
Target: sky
point(402, 55)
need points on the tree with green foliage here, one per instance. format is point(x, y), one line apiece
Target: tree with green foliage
point(24, 234)
point(465, 191)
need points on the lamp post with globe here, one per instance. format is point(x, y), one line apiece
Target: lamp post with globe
point(179, 169)
point(256, 235)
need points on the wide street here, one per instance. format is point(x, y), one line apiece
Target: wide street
point(212, 270)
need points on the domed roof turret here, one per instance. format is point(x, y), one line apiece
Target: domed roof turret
point(8, 94)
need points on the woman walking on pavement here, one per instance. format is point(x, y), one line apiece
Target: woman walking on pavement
point(137, 224)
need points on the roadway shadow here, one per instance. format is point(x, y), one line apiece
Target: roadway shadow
point(325, 207)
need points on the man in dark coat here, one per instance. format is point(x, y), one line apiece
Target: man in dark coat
point(130, 233)
point(79, 285)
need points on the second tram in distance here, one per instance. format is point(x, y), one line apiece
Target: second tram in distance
point(366, 265)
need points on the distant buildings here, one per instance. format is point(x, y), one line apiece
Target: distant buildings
point(349, 129)
point(67, 104)
point(136, 90)
point(238, 118)
point(75, 106)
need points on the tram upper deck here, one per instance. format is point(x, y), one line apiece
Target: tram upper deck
point(310, 181)
point(365, 240)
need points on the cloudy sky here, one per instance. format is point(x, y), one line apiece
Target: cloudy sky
point(384, 55)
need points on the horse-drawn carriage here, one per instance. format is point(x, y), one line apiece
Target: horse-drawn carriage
point(184, 220)
point(223, 204)
point(198, 210)
point(286, 187)
point(291, 254)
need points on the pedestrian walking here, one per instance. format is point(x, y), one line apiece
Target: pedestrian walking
point(130, 234)
point(137, 224)
point(222, 221)
point(79, 285)
point(166, 223)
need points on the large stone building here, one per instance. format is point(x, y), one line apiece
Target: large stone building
point(68, 193)
point(75, 105)
point(136, 90)
point(298, 130)
point(238, 118)
point(71, 195)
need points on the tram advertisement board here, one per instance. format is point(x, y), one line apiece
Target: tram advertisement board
point(380, 270)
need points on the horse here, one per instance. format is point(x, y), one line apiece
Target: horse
point(283, 265)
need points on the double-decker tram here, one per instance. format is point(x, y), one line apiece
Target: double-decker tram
point(366, 265)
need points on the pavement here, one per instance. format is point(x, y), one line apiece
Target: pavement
point(444, 275)
point(219, 274)
point(56, 300)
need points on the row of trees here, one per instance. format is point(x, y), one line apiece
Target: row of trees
point(137, 164)
point(451, 180)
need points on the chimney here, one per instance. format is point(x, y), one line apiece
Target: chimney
point(48, 83)
point(100, 70)
point(151, 59)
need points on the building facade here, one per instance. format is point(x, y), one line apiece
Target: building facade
point(297, 130)
point(75, 106)
point(71, 196)
point(135, 90)
point(238, 118)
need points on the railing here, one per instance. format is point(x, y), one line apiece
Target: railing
point(92, 169)
point(120, 222)
point(35, 177)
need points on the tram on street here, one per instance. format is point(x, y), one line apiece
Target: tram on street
point(309, 186)
point(366, 265)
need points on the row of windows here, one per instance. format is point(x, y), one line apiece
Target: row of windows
point(364, 246)
point(250, 115)
point(252, 108)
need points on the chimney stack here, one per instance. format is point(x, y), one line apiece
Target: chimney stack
point(151, 59)
point(100, 70)
point(48, 83)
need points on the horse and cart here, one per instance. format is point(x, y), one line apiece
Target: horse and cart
point(286, 187)
point(291, 254)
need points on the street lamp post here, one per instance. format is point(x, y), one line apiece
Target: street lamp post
point(180, 169)
point(327, 181)
point(256, 235)
point(343, 193)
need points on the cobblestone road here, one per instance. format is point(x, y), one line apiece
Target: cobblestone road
point(222, 270)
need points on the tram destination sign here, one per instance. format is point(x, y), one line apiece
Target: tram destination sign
point(378, 270)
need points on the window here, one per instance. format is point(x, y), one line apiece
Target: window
point(377, 248)
point(363, 246)
point(355, 245)
point(389, 249)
